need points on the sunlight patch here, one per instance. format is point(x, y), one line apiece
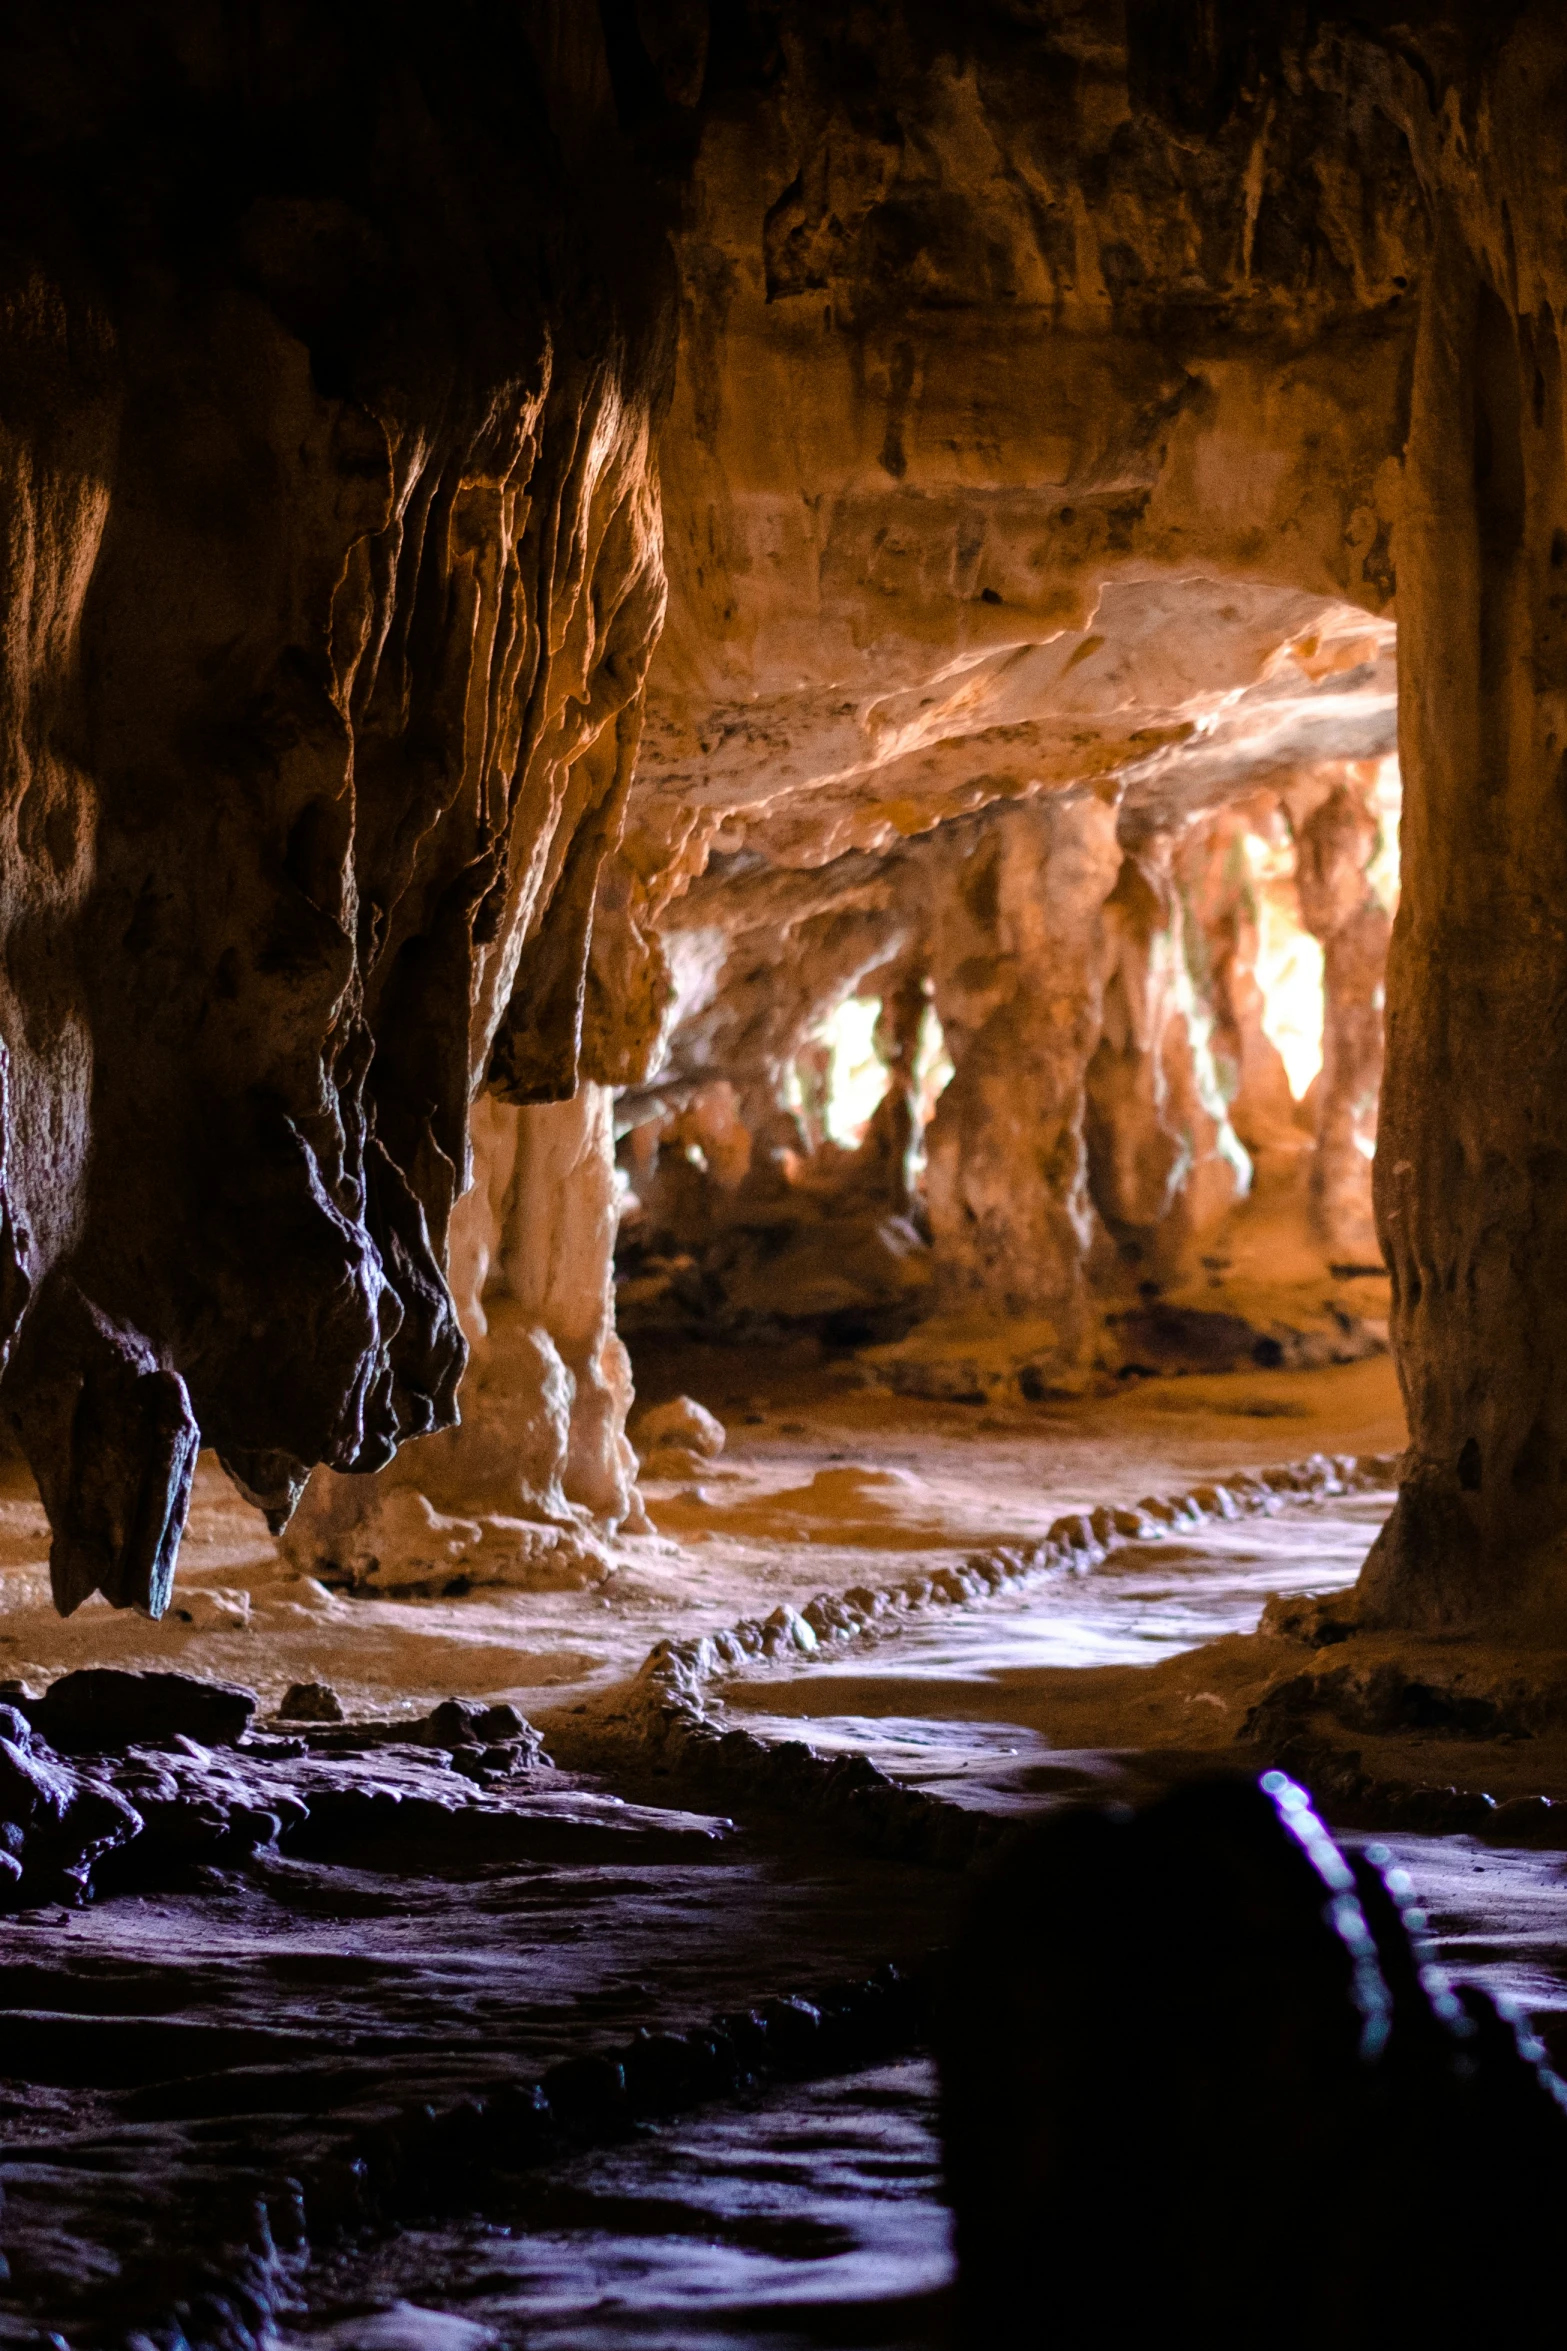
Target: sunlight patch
point(1289, 964)
point(856, 1074)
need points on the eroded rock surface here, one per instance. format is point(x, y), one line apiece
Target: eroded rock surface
point(523, 1491)
point(332, 570)
point(987, 522)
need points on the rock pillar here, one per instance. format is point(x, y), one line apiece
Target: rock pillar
point(1471, 1170)
point(1018, 971)
point(1339, 906)
point(1164, 1164)
point(557, 1268)
point(886, 1156)
point(539, 1469)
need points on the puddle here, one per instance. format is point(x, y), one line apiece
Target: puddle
point(935, 1704)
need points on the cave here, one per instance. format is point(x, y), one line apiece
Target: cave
point(783, 1491)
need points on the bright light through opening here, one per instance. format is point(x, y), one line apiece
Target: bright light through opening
point(856, 1073)
point(932, 1071)
point(1289, 964)
point(931, 1074)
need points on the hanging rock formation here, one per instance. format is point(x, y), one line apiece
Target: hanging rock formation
point(517, 1493)
point(332, 573)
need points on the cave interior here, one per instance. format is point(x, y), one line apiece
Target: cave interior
point(783, 1334)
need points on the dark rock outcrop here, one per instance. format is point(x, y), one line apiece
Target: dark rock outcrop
point(56, 1823)
point(101, 1707)
point(1201, 2085)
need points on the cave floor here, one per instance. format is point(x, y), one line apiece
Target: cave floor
point(821, 1485)
point(180, 2047)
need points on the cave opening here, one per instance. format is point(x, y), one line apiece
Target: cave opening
point(783, 1469)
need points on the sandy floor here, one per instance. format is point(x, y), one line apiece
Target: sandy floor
point(822, 1485)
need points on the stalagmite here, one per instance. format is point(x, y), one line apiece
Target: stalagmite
point(540, 1464)
point(1165, 1165)
point(1018, 978)
point(1340, 906)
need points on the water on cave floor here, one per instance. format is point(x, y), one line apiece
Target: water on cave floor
point(811, 2215)
point(943, 1702)
point(811, 2218)
point(814, 2217)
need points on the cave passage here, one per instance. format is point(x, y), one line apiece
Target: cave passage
point(783, 1419)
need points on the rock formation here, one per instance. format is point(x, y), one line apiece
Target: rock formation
point(332, 573)
point(1020, 995)
point(977, 376)
point(1338, 843)
point(1091, 967)
point(979, 523)
point(1470, 1186)
point(1056, 400)
point(540, 1461)
point(1206, 2008)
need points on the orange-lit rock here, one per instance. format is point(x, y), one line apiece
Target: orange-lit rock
point(1054, 407)
point(540, 1462)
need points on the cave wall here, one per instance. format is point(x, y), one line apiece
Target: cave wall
point(1032, 314)
point(1009, 419)
point(1025, 441)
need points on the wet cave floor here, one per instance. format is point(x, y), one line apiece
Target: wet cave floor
point(178, 2049)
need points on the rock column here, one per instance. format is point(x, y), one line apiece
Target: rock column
point(539, 1469)
point(1471, 1170)
point(1164, 1163)
point(1339, 906)
point(1018, 972)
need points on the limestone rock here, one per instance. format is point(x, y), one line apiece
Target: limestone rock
point(682, 1434)
point(310, 1702)
point(326, 638)
point(1049, 405)
point(56, 1823)
point(539, 1468)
